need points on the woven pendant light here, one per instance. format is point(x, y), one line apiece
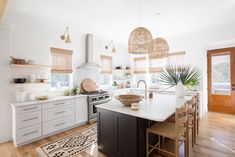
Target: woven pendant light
point(160, 47)
point(140, 41)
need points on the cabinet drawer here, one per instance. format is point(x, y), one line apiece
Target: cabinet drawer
point(60, 112)
point(29, 133)
point(28, 108)
point(62, 103)
point(56, 125)
point(28, 119)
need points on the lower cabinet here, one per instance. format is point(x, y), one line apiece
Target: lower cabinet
point(29, 133)
point(81, 110)
point(120, 135)
point(57, 124)
point(32, 122)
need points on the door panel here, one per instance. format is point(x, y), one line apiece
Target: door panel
point(221, 80)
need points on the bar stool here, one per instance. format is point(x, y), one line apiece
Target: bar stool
point(174, 131)
point(197, 114)
point(192, 118)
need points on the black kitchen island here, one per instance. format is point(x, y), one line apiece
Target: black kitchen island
point(122, 131)
point(121, 135)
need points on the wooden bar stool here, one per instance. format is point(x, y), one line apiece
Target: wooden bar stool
point(197, 114)
point(174, 131)
point(192, 118)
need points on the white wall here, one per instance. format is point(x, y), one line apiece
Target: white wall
point(29, 38)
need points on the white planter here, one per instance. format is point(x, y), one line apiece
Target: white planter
point(180, 91)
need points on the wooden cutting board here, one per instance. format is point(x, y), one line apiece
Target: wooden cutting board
point(88, 85)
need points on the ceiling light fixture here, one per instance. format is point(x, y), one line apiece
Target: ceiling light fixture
point(111, 44)
point(66, 37)
point(140, 39)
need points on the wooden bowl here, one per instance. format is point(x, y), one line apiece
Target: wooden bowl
point(42, 97)
point(128, 99)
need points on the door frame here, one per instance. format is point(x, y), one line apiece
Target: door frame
point(220, 51)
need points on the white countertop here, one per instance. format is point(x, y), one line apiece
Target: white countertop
point(50, 99)
point(161, 107)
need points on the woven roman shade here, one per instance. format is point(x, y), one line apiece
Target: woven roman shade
point(140, 65)
point(106, 63)
point(61, 60)
point(176, 58)
point(157, 63)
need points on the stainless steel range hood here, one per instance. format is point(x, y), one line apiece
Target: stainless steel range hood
point(89, 63)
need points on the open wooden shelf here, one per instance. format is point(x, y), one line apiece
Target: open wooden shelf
point(27, 83)
point(29, 66)
point(122, 70)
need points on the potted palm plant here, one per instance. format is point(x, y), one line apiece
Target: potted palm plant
point(181, 77)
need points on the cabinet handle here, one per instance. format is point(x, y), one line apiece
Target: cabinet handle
point(30, 119)
point(59, 124)
point(30, 133)
point(60, 103)
point(59, 112)
point(26, 109)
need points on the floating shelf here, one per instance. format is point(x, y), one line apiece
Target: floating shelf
point(122, 69)
point(27, 83)
point(29, 66)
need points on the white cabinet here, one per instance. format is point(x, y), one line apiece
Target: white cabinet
point(57, 124)
point(26, 123)
point(81, 110)
point(31, 122)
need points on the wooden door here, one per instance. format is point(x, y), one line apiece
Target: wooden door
point(221, 80)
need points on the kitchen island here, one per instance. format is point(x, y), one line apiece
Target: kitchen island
point(121, 131)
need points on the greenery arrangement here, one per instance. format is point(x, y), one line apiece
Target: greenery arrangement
point(185, 75)
point(73, 91)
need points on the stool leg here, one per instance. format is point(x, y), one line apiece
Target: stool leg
point(159, 144)
point(147, 144)
point(177, 147)
point(195, 130)
point(197, 125)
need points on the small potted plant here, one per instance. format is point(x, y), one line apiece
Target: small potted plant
point(74, 90)
point(181, 77)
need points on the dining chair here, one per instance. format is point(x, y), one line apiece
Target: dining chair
point(177, 131)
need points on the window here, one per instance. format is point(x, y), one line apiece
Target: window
point(177, 58)
point(106, 71)
point(61, 68)
point(140, 65)
point(157, 63)
point(139, 77)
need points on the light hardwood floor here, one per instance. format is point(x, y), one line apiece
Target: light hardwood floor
point(216, 139)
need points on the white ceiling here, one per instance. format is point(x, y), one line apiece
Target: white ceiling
point(116, 18)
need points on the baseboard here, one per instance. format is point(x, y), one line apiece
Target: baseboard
point(5, 139)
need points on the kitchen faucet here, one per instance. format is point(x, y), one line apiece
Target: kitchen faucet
point(145, 87)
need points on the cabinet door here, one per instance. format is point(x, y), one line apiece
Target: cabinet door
point(81, 110)
point(125, 135)
point(106, 133)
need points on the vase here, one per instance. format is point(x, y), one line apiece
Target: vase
point(180, 91)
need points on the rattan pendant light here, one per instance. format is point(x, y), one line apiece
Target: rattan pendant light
point(140, 39)
point(160, 45)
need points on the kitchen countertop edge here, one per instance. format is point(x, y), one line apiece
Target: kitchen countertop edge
point(51, 99)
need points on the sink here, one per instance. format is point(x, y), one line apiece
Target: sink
point(128, 99)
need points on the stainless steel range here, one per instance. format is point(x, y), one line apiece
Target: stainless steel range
point(96, 98)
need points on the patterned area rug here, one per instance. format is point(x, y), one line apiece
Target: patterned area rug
point(70, 145)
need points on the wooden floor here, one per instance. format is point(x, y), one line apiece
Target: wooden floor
point(216, 139)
